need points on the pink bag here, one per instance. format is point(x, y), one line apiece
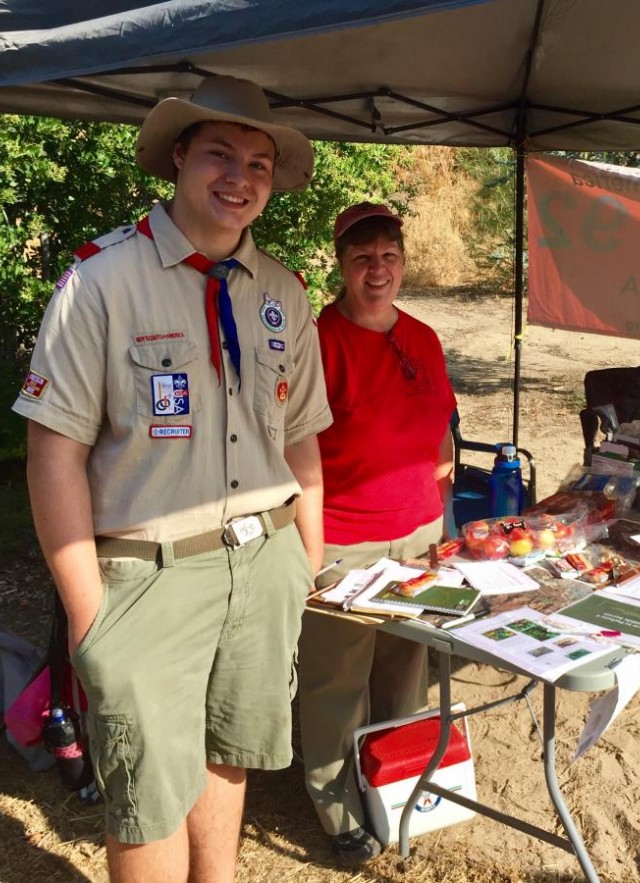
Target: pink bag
point(24, 718)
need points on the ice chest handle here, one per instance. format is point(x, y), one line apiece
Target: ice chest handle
point(385, 799)
point(361, 732)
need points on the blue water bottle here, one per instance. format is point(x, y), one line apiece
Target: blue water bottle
point(506, 490)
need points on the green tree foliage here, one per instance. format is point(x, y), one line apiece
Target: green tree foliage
point(492, 238)
point(63, 183)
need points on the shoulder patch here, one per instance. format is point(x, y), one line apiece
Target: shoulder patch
point(120, 234)
point(62, 281)
point(34, 385)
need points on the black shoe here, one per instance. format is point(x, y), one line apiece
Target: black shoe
point(355, 847)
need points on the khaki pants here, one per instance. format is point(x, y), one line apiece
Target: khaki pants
point(352, 675)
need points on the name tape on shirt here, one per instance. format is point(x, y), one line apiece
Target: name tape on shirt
point(156, 431)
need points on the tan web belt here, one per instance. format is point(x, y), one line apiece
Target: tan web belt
point(233, 534)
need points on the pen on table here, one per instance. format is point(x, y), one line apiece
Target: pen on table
point(348, 602)
point(468, 617)
point(329, 567)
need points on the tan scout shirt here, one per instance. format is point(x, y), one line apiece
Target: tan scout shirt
point(122, 364)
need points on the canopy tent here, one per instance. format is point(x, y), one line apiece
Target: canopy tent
point(531, 74)
point(560, 73)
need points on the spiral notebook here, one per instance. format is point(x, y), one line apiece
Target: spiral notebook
point(452, 600)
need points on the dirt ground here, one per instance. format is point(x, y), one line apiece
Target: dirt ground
point(48, 835)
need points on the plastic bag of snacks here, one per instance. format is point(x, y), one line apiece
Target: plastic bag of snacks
point(495, 538)
point(524, 539)
point(588, 516)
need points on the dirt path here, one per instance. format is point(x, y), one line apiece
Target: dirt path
point(476, 334)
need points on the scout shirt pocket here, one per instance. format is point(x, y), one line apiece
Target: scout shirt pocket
point(164, 379)
point(271, 391)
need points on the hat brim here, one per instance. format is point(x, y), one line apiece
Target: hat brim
point(154, 148)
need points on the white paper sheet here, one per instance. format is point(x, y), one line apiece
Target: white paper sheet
point(523, 637)
point(496, 577)
point(605, 709)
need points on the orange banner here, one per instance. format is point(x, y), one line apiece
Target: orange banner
point(584, 246)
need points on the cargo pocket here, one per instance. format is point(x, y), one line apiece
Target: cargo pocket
point(271, 391)
point(115, 754)
point(165, 379)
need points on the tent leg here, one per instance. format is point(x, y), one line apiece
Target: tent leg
point(519, 288)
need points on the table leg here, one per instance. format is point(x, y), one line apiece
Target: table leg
point(573, 843)
point(549, 730)
point(444, 664)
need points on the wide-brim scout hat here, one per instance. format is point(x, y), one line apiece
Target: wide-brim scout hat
point(229, 100)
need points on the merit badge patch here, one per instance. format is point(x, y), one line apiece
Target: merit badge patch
point(272, 314)
point(170, 431)
point(170, 394)
point(34, 385)
point(276, 345)
point(282, 392)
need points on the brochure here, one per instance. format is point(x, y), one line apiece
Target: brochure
point(523, 638)
point(607, 611)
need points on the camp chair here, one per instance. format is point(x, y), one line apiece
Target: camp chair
point(612, 397)
point(471, 483)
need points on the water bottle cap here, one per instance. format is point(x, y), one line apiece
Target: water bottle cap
point(57, 714)
point(509, 452)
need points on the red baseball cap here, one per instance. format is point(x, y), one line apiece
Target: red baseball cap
point(360, 212)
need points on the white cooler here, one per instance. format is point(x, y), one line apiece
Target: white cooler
point(391, 756)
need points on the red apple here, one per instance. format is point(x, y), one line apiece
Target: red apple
point(494, 547)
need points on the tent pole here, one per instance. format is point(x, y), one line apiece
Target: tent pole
point(519, 287)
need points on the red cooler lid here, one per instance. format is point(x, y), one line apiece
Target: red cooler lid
point(403, 752)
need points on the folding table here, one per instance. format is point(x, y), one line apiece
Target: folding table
point(590, 677)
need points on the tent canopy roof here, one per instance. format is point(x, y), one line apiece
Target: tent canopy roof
point(547, 73)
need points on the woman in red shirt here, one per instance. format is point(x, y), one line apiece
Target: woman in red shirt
point(387, 461)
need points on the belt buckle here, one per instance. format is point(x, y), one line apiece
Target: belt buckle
point(241, 531)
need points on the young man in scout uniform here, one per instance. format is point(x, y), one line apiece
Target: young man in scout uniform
point(174, 397)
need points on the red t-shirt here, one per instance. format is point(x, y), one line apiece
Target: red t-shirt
point(379, 454)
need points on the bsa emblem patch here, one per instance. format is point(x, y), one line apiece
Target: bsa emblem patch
point(272, 314)
point(170, 394)
point(282, 392)
point(34, 385)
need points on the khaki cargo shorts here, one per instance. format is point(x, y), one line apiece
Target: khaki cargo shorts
point(190, 664)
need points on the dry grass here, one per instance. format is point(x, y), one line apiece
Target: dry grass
point(438, 220)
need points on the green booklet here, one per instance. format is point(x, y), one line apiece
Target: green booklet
point(453, 600)
point(608, 612)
